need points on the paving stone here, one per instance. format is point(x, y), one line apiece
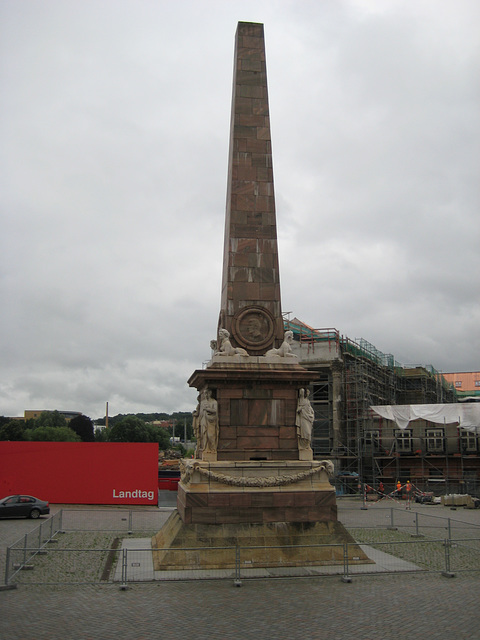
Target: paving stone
point(381, 607)
point(384, 607)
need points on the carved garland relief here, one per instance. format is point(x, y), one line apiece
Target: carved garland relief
point(188, 467)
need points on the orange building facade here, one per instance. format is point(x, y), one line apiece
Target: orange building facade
point(466, 383)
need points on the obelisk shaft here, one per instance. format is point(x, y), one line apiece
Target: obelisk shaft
point(250, 268)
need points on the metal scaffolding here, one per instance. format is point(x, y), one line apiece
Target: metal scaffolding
point(357, 440)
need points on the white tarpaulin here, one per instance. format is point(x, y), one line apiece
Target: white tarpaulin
point(466, 415)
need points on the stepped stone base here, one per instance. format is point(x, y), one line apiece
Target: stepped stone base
point(179, 546)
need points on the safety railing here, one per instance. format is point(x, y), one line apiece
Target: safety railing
point(33, 543)
point(19, 556)
point(429, 525)
point(411, 521)
point(114, 546)
point(126, 520)
point(123, 565)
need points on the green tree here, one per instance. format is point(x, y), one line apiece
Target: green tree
point(13, 430)
point(113, 420)
point(130, 429)
point(181, 449)
point(182, 419)
point(53, 434)
point(83, 426)
point(50, 419)
point(151, 417)
point(160, 435)
point(100, 435)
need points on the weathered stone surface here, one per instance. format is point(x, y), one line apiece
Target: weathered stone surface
point(250, 211)
point(269, 544)
point(255, 487)
point(295, 497)
point(257, 400)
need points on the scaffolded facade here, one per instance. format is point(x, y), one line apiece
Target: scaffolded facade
point(366, 449)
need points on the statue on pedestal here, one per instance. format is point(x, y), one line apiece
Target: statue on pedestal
point(304, 420)
point(226, 348)
point(285, 350)
point(208, 419)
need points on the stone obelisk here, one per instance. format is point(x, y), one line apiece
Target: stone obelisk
point(250, 303)
point(253, 479)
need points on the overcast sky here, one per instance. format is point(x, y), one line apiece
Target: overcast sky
point(115, 119)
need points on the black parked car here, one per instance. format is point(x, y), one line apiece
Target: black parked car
point(23, 507)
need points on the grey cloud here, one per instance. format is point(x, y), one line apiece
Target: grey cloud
point(115, 123)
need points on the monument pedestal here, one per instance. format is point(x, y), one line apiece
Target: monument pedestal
point(257, 399)
point(259, 491)
point(256, 492)
point(274, 514)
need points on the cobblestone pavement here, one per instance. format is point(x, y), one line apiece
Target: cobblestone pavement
point(373, 608)
point(381, 607)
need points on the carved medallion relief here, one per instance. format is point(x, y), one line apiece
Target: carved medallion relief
point(253, 328)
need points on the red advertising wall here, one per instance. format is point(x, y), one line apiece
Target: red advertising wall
point(81, 472)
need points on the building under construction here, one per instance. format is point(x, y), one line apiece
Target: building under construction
point(366, 448)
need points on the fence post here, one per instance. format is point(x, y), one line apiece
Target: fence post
point(123, 586)
point(237, 582)
point(417, 534)
point(7, 567)
point(449, 529)
point(7, 585)
point(25, 550)
point(391, 527)
point(447, 573)
point(346, 577)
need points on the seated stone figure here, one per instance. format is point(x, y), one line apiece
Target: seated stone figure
point(285, 351)
point(226, 347)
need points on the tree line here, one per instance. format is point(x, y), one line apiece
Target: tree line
point(52, 426)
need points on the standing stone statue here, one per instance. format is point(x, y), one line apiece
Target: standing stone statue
point(209, 422)
point(304, 420)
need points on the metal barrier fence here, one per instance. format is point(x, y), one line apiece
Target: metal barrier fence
point(19, 556)
point(413, 521)
point(31, 544)
point(423, 524)
point(123, 565)
point(122, 520)
point(79, 546)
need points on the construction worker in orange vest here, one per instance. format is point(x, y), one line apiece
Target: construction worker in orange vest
point(408, 488)
point(399, 489)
